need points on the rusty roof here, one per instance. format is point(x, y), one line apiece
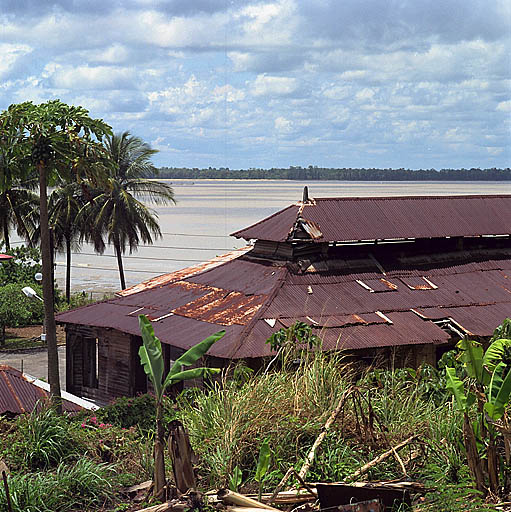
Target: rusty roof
point(18, 395)
point(350, 305)
point(385, 218)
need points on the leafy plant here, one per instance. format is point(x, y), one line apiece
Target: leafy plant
point(488, 384)
point(236, 479)
point(263, 463)
point(151, 358)
point(45, 439)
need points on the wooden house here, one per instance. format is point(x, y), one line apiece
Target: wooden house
point(370, 275)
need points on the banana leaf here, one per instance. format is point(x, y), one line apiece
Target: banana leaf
point(472, 356)
point(493, 355)
point(499, 392)
point(151, 355)
point(455, 385)
point(194, 373)
point(264, 461)
point(191, 356)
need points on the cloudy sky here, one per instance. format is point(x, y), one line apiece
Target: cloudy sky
point(233, 83)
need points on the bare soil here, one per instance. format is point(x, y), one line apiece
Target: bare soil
point(34, 331)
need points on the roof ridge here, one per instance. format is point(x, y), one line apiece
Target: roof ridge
point(267, 218)
point(421, 197)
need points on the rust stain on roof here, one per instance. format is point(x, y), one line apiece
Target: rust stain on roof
point(18, 395)
point(223, 307)
point(183, 273)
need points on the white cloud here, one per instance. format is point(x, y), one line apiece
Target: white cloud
point(504, 106)
point(273, 85)
point(92, 77)
point(10, 54)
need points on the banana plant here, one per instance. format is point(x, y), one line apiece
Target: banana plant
point(151, 358)
point(488, 385)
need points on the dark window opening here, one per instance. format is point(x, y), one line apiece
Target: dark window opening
point(90, 362)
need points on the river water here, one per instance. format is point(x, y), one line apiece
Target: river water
point(197, 228)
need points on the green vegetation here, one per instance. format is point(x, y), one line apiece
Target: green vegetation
point(151, 357)
point(322, 173)
point(248, 429)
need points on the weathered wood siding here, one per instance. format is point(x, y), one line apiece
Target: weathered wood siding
point(114, 363)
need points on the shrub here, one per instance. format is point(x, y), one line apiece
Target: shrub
point(127, 412)
point(16, 309)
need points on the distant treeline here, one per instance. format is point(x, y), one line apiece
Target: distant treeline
point(321, 173)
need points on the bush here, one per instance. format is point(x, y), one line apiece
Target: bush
point(26, 262)
point(16, 309)
point(127, 412)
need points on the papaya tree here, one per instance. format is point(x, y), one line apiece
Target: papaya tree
point(151, 357)
point(54, 140)
point(484, 395)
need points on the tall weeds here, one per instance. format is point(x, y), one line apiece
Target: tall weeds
point(228, 424)
point(290, 406)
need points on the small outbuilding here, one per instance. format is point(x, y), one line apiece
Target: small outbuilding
point(400, 276)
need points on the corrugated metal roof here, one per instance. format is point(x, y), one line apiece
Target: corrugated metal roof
point(18, 395)
point(384, 218)
point(251, 300)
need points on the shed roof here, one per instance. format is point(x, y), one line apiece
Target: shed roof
point(349, 307)
point(382, 218)
point(18, 394)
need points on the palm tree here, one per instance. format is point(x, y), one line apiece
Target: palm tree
point(64, 204)
point(19, 211)
point(118, 213)
point(18, 204)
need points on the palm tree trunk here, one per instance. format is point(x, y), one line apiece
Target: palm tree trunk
point(6, 234)
point(119, 263)
point(68, 269)
point(49, 308)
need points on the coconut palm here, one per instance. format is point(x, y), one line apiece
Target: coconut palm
point(18, 203)
point(64, 205)
point(116, 213)
point(19, 211)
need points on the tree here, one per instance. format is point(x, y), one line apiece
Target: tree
point(117, 212)
point(64, 205)
point(18, 203)
point(57, 140)
point(151, 358)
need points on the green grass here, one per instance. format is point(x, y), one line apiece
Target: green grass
point(15, 343)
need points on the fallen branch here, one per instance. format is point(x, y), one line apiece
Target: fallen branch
point(234, 498)
point(322, 435)
point(380, 458)
point(281, 484)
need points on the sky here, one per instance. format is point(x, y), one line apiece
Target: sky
point(274, 83)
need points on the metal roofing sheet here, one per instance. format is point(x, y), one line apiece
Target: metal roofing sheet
point(349, 219)
point(479, 320)
point(243, 276)
point(18, 395)
point(189, 310)
point(183, 273)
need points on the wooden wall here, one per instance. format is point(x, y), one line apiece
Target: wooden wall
point(114, 363)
